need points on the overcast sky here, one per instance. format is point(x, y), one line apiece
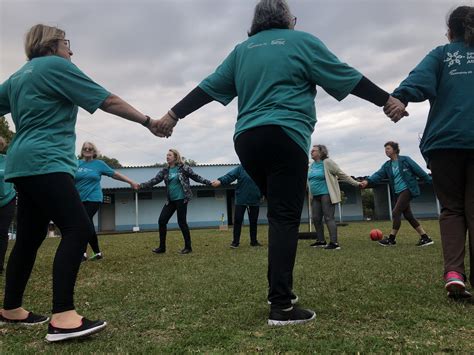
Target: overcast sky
point(152, 53)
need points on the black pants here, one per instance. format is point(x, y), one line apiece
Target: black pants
point(166, 213)
point(279, 167)
point(239, 218)
point(6, 216)
point(91, 209)
point(43, 198)
point(402, 206)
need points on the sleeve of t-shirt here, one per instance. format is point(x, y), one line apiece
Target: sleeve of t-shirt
point(220, 85)
point(68, 81)
point(422, 82)
point(336, 78)
point(105, 169)
point(4, 99)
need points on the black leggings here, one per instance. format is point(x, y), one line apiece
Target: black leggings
point(279, 167)
point(91, 209)
point(166, 213)
point(6, 216)
point(42, 198)
point(239, 218)
point(402, 206)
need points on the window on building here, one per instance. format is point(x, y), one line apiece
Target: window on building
point(145, 195)
point(205, 193)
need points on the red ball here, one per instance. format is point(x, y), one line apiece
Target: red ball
point(376, 234)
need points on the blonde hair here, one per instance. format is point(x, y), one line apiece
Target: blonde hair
point(3, 143)
point(177, 156)
point(96, 151)
point(42, 40)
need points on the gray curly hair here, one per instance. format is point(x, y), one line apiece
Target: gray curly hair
point(271, 14)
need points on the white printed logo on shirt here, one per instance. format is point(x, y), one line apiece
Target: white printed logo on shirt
point(453, 58)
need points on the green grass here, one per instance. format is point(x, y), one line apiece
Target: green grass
point(367, 298)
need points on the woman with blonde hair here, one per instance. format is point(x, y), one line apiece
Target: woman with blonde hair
point(176, 176)
point(7, 205)
point(43, 97)
point(88, 176)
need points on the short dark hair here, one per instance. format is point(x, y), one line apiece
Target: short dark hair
point(394, 146)
point(461, 24)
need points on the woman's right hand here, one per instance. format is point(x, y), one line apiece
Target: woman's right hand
point(216, 183)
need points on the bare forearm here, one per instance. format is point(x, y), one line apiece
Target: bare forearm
point(116, 106)
point(121, 177)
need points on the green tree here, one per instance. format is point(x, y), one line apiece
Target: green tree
point(112, 162)
point(368, 203)
point(187, 161)
point(5, 131)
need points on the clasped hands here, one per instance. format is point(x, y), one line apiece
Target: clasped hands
point(163, 127)
point(395, 109)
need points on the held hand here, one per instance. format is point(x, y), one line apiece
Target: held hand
point(363, 184)
point(155, 128)
point(165, 125)
point(395, 109)
point(135, 186)
point(216, 183)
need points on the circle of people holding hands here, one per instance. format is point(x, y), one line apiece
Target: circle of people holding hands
point(275, 85)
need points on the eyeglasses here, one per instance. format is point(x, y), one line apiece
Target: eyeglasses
point(87, 149)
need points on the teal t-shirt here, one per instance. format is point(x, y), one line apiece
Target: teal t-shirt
point(88, 177)
point(7, 192)
point(175, 190)
point(317, 179)
point(43, 98)
point(397, 178)
point(274, 74)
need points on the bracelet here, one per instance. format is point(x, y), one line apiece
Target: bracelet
point(147, 121)
point(173, 115)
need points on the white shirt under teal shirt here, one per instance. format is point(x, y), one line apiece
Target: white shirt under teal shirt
point(317, 179)
point(43, 98)
point(175, 190)
point(88, 176)
point(274, 74)
point(397, 177)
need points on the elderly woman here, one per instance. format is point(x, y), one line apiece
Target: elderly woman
point(402, 174)
point(274, 73)
point(178, 193)
point(445, 77)
point(88, 176)
point(324, 187)
point(43, 98)
point(7, 205)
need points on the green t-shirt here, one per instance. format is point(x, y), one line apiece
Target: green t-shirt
point(43, 98)
point(274, 74)
point(7, 192)
point(175, 189)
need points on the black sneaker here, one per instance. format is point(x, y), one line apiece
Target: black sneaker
point(294, 315)
point(332, 246)
point(87, 328)
point(97, 256)
point(319, 244)
point(159, 250)
point(387, 242)
point(294, 299)
point(31, 319)
point(84, 257)
point(424, 241)
point(234, 245)
point(186, 251)
point(255, 244)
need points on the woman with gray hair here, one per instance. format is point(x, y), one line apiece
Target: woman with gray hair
point(324, 187)
point(43, 98)
point(274, 73)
